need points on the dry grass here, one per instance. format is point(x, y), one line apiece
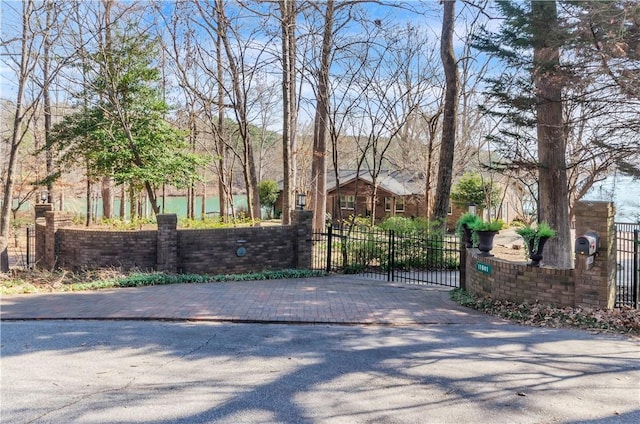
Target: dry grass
point(41, 281)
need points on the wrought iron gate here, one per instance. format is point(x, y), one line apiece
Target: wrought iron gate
point(389, 255)
point(628, 260)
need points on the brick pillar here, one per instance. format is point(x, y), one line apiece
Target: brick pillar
point(302, 222)
point(42, 208)
point(53, 220)
point(167, 251)
point(595, 283)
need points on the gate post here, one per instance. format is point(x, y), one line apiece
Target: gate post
point(636, 271)
point(390, 257)
point(462, 247)
point(329, 245)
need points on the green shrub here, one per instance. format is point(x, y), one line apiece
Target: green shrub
point(154, 279)
point(494, 225)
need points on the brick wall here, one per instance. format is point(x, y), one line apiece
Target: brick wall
point(79, 248)
point(519, 282)
point(590, 284)
point(216, 251)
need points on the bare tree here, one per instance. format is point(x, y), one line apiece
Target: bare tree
point(321, 119)
point(447, 146)
point(288, 15)
point(25, 59)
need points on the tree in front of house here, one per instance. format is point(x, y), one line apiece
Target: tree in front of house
point(268, 192)
point(472, 189)
point(122, 132)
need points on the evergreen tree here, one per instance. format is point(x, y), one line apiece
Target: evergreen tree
point(566, 104)
point(123, 132)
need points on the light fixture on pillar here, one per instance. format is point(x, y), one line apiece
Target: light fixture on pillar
point(301, 201)
point(472, 208)
point(44, 196)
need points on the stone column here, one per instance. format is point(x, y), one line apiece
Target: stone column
point(302, 223)
point(595, 279)
point(167, 251)
point(53, 220)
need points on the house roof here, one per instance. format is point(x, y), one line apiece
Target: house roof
point(399, 183)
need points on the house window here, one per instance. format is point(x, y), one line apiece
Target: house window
point(399, 204)
point(387, 204)
point(347, 202)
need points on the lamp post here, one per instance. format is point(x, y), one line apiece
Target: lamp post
point(301, 201)
point(472, 208)
point(44, 196)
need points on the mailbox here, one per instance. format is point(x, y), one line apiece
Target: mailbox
point(588, 244)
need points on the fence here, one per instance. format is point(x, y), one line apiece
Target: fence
point(628, 261)
point(388, 255)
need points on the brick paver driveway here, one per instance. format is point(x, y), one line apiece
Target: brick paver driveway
point(334, 299)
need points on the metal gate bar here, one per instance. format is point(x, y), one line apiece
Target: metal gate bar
point(628, 260)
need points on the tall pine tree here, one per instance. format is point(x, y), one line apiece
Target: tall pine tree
point(123, 133)
point(529, 91)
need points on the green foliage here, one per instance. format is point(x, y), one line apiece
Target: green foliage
point(406, 225)
point(213, 222)
point(268, 192)
point(544, 230)
point(470, 219)
point(470, 188)
point(413, 248)
point(119, 224)
point(122, 132)
point(493, 225)
point(529, 234)
point(153, 279)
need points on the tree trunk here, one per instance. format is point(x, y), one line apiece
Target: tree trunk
point(16, 139)
point(123, 203)
point(46, 77)
point(288, 21)
point(107, 197)
point(132, 204)
point(319, 159)
point(552, 174)
point(447, 147)
point(220, 144)
point(87, 221)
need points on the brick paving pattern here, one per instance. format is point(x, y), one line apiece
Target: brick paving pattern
point(334, 299)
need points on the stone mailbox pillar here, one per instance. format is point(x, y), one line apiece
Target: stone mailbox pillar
point(595, 276)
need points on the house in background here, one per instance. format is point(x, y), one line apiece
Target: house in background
point(399, 193)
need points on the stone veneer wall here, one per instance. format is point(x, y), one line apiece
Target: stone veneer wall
point(590, 284)
point(168, 249)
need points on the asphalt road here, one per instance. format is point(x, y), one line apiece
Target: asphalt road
point(118, 371)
